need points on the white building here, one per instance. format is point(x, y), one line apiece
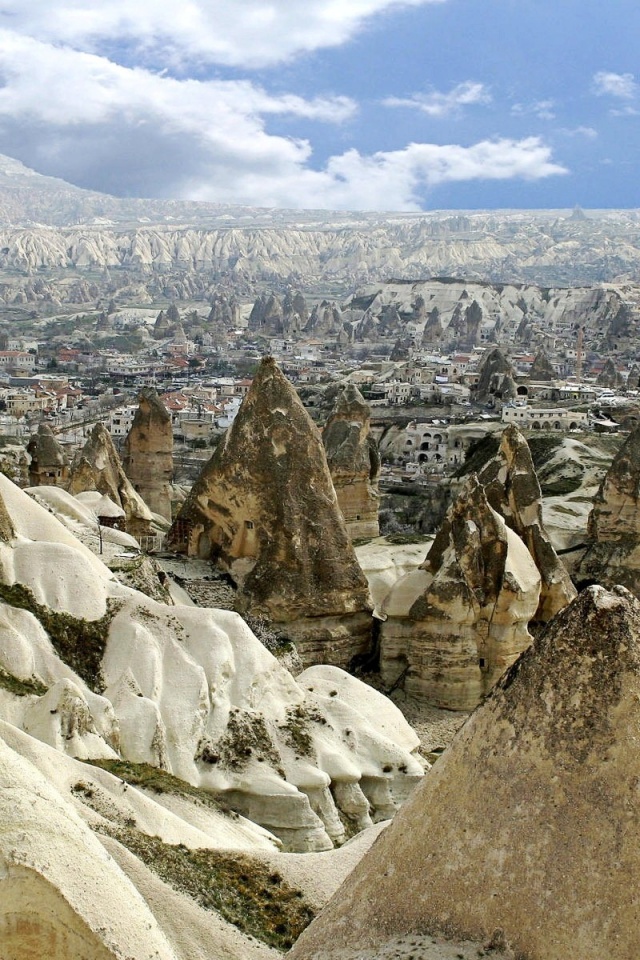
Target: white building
point(533, 418)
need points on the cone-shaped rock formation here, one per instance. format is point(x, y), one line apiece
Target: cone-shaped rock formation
point(511, 486)
point(98, 467)
point(455, 624)
point(354, 462)
point(541, 368)
point(148, 453)
point(495, 370)
point(265, 510)
point(49, 465)
point(528, 824)
point(614, 522)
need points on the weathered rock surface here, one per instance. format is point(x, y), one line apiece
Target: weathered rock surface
point(512, 489)
point(613, 555)
point(495, 374)
point(49, 465)
point(354, 463)
point(148, 453)
point(265, 510)
point(98, 467)
point(541, 368)
point(609, 376)
point(456, 624)
point(188, 690)
point(527, 823)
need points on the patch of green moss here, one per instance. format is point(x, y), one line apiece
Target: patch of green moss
point(542, 449)
point(246, 738)
point(478, 455)
point(561, 486)
point(561, 508)
point(79, 643)
point(297, 731)
point(159, 781)
point(247, 893)
point(21, 688)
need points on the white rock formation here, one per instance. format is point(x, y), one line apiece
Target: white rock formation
point(190, 690)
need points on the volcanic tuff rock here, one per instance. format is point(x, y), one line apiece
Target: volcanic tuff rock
point(188, 690)
point(495, 373)
point(49, 465)
point(457, 623)
point(613, 555)
point(609, 375)
point(265, 510)
point(148, 453)
point(354, 462)
point(98, 467)
point(457, 312)
point(512, 489)
point(528, 823)
point(541, 368)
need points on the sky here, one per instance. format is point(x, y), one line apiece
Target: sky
point(390, 105)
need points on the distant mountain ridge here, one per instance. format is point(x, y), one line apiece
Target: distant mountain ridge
point(48, 223)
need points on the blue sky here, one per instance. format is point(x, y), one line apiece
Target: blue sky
point(350, 104)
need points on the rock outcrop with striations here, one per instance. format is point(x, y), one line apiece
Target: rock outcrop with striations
point(454, 625)
point(528, 823)
point(613, 554)
point(49, 465)
point(98, 467)
point(354, 462)
point(264, 510)
point(148, 453)
point(512, 489)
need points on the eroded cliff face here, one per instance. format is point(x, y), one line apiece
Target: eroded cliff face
point(354, 463)
point(98, 467)
point(512, 489)
point(454, 626)
point(526, 824)
point(613, 555)
point(148, 453)
point(264, 510)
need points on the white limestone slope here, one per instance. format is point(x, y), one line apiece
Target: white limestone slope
point(193, 691)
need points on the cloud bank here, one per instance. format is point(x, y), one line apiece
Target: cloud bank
point(73, 107)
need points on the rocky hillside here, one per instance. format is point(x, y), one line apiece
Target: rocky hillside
point(440, 312)
point(52, 225)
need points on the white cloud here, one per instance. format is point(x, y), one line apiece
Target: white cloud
point(588, 132)
point(130, 131)
point(395, 180)
point(437, 104)
point(542, 109)
point(622, 85)
point(248, 33)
